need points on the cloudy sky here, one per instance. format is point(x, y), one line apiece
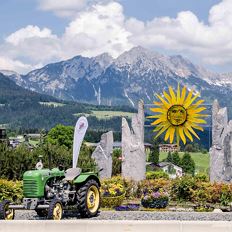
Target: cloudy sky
point(36, 32)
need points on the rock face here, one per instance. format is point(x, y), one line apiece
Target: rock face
point(103, 155)
point(221, 150)
point(133, 152)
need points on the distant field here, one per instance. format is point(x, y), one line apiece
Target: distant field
point(107, 114)
point(54, 104)
point(201, 160)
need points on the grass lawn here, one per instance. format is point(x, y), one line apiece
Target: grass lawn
point(201, 160)
point(54, 104)
point(34, 142)
point(101, 114)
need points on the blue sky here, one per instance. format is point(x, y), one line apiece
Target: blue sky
point(36, 32)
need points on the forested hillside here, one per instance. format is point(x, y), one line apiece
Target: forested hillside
point(26, 110)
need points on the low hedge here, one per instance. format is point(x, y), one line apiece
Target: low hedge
point(11, 190)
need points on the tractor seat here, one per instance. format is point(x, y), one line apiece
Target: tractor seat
point(72, 173)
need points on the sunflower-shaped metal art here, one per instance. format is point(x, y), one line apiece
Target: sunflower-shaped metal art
point(178, 115)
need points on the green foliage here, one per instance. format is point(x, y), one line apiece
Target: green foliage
point(176, 159)
point(156, 175)
point(182, 188)
point(14, 162)
point(10, 190)
point(201, 177)
point(204, 151)
point(169, 157)
point(117, 162)
point(154, 156)
point(85, 161)
point(188, 164)
point(61, 135)
point(189, 148)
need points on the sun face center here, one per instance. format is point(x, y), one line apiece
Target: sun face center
point(177, 115)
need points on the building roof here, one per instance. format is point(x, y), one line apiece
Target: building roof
point(164, 164)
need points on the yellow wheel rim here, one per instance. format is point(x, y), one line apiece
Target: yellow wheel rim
point(57, 211)
point(9, 213)
point(93, 199)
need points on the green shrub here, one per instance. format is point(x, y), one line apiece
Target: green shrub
point(182, 188)
point(156, 175)
point(117, 162)
point(201, 177)
point(10, 190)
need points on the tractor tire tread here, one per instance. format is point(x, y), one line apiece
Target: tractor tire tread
point(81, 199)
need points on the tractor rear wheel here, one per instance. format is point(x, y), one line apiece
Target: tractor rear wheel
point(88, 199)
point(5, 212)
point(55, 211)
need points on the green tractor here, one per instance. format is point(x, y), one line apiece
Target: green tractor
point(51, 191)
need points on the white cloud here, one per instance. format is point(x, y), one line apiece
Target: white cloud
point(185, 34)
point(29, 32)
point(98, 30)
point(67, 8)
point(104, 28)
point(9, 64)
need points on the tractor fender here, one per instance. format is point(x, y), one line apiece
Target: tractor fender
point(85, 177)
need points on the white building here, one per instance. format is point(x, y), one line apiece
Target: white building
point(171, 169)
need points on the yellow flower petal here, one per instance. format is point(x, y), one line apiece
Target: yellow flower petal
point(167, 97)
point(187, 104)
point(188, 126)
point(188, 134)
point(172, 95)
point(183, 94)
point(178, 95)
point(162, 130)
point(166, 104)
point(181, 133)
point(167, 134)
point(158, 110)
point(172, 133)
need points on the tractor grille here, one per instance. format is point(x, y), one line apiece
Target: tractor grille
point(30, 188)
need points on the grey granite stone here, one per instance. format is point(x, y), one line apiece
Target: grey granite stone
point(103, 155)
point(221, 150)
point(133, 152)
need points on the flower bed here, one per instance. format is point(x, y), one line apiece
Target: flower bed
point(128, 207)
point(155, 199)
point(112, 193)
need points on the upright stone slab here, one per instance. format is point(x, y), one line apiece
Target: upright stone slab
point(133, 152)
point(221, 150)
point(103, 155)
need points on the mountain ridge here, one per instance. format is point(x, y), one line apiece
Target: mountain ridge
point(137, 73)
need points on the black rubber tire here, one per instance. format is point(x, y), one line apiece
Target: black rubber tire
point(82, 199)
point(42, 212)
point(52, 205)
point(2, 210)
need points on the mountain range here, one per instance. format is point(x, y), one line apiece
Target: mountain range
point(135, 74)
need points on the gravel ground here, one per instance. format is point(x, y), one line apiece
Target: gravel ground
point(135, 215)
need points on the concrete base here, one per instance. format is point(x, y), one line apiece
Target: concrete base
point(115, 226)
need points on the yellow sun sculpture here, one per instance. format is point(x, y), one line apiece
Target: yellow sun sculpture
point(177, 114)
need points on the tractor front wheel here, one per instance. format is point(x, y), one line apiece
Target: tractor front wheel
point(55, 211)
point(5, 212)
point(88, 199)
